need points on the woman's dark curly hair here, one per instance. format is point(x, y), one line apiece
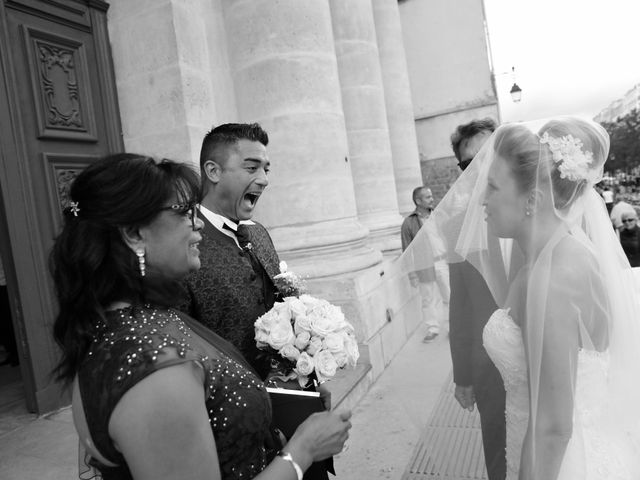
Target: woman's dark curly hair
point(91, 264)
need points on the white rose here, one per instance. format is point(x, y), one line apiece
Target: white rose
point(280, 335)
point(320, 324)
point(315, 344)
point(302, 324)
point(296, 307)
point(344, 326)
point(347, 327)
point(262, 338)
point(334, 342)
point(304, 365)
point(283, 310)
point(290, 352)
point(333, 312)
point(310, 301)
point(340, 358)
point(351, 349)
point(267, 320)
point(326, 365)
point(302, 340)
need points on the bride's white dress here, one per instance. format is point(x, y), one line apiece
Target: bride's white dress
point(592, 453)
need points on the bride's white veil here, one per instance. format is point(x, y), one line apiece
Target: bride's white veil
point(565, 278)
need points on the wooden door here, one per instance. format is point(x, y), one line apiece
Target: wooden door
point(58, 113)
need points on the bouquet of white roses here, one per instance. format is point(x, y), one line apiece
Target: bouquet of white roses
point(311, 335)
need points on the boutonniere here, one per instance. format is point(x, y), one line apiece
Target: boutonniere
point(288, 283)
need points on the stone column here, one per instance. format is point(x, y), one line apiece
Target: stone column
point(165, 74)
point(397, 95)
point(366, 121)
point(284, 70)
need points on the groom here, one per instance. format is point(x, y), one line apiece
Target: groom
point(234, 285)
point(471, 304)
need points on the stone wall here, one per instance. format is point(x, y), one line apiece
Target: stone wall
point(439, 174)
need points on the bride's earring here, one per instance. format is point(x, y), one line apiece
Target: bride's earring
point(532, 203)
point(141, 261)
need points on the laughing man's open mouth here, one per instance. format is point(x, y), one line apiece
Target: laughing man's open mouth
point(252, 198)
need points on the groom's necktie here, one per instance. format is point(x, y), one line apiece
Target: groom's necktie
point(244, 240)
point(242, 236)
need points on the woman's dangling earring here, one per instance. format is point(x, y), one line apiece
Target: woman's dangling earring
point(527, 212)
point(141, 264)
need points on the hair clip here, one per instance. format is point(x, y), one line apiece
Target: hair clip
point(74, 208)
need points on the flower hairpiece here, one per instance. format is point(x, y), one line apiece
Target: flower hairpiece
point(74, 207)
point(573, 162)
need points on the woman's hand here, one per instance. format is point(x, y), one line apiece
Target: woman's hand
point(325, 395)
point(319, 436)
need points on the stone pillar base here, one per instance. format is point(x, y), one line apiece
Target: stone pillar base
point(325, 249)
point(384, 312)
point(384, 232)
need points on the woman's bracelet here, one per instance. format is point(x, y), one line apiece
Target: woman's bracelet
point(287, 456)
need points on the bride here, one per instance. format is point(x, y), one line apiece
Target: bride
point(566, 337)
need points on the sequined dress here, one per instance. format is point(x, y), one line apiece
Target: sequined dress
point(593, 452)
point(134, 342)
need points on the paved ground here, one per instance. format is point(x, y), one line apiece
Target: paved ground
point(387, 424)
point(389, 421)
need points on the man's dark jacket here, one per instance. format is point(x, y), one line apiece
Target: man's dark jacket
point(470, 306)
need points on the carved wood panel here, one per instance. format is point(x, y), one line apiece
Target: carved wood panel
point(61, 88)
point(60, 171)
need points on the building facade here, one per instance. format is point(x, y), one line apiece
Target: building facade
point(449, 64)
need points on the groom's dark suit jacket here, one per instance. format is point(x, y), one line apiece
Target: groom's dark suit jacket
point(230, 292)
point(470, 306)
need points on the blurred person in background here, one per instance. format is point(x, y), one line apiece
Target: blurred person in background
point(618, 209)
point(434, 282)
point(630, 237)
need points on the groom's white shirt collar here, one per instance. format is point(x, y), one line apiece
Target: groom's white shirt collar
point(219, 221)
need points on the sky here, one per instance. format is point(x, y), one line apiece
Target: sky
point(571, 57)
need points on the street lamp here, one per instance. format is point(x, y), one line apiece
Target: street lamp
point(516, 91)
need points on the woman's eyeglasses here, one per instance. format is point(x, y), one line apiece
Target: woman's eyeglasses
point(629, 220)
point(187, 209)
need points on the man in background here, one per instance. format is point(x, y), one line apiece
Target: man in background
point(432, 282)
